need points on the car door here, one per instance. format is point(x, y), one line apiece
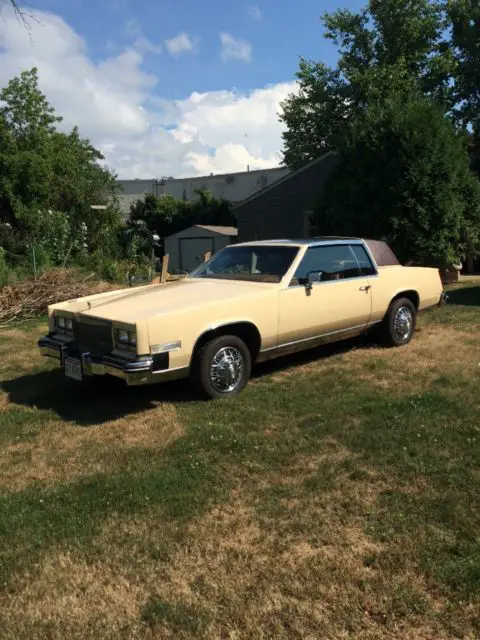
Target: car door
point(339, 303)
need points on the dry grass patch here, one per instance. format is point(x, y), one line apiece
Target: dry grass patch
point(69, 597)
point(336, 498)
point(304, 573)
point(438, 353)
point(62, 451)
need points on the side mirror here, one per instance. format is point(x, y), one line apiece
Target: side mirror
point(314, 276)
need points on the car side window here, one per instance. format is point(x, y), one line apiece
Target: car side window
point(336, 262)
point(363, 259)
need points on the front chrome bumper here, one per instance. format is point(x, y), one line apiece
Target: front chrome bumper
point(134, 372)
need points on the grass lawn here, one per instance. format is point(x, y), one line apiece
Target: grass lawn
point(338, 497)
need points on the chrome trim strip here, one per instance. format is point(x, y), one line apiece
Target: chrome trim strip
point(174, 372)
point(124, 365)
point(327, 243)
point(167, 347)
point(319, 336)
point(50, 352)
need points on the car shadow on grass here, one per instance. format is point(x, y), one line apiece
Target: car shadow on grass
point(99, 400)
point(309, 356)
point(94, 401)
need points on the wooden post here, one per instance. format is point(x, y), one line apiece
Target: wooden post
point(207, 256)
point(163, 277)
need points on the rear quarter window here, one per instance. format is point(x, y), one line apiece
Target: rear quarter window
point(382, 254)
point(363, 259)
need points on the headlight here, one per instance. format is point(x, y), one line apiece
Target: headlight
point(125, 338)
point(64, 324)
point(122, 336)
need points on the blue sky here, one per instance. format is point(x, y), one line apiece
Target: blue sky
point(278, 32)
point(171, 87)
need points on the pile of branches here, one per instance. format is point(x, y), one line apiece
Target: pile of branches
point(31, 297)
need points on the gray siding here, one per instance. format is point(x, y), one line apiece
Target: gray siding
point(234, 187)
point(282, 211)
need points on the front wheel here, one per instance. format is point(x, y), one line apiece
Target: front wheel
point(399, 323)
point(222, 367)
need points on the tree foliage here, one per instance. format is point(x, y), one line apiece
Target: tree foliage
point(42, 166)
point(464, 18)
point(166, 215)
point(402, 105)
point(405, 177)
point(49, 179)
point(390, 48)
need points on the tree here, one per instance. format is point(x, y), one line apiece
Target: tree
point(41, 166)
point(49, 180)
point(464, 19)
point(166, 215)
point(392, 47)
point(25, 109)
point(405, 177)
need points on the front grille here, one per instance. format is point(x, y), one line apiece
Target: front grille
point(93, 336)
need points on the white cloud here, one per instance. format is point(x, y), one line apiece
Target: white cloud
point(119, 107)
point(255, 12)
point(140, 41)
point(182, 43)
point(234, 49)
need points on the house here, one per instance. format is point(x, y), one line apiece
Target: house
point(187, 248)
point(233, 187)
point(284, 208)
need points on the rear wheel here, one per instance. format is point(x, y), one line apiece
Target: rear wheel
point(399, 323)
point(222, 367)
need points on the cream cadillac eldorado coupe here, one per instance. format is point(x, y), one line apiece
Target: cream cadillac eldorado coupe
point(248, 303)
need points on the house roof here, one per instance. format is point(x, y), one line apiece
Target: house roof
point(226, 231)
point(291, 176)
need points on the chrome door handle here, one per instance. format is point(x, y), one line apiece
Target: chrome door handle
point(366, 287)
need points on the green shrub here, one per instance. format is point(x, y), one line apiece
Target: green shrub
point(3, 268)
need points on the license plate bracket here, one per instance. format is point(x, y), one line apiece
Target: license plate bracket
point(73, 368)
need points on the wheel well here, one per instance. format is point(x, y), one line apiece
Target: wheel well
point(410, 295)
point(246, 331)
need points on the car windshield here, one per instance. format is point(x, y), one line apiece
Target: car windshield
point(258, 263)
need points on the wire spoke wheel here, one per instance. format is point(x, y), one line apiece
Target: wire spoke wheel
point(226, 369)
point(403, 323)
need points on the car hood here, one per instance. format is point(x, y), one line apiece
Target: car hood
point(134, 305)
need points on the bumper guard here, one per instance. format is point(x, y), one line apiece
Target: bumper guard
point(443, 299)
point(134, 372)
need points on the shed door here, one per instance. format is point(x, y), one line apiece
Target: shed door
point(192, 250)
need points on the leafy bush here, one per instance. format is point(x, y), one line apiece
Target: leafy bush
point(166, 215)
point(3, 268)
point(404, 176)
